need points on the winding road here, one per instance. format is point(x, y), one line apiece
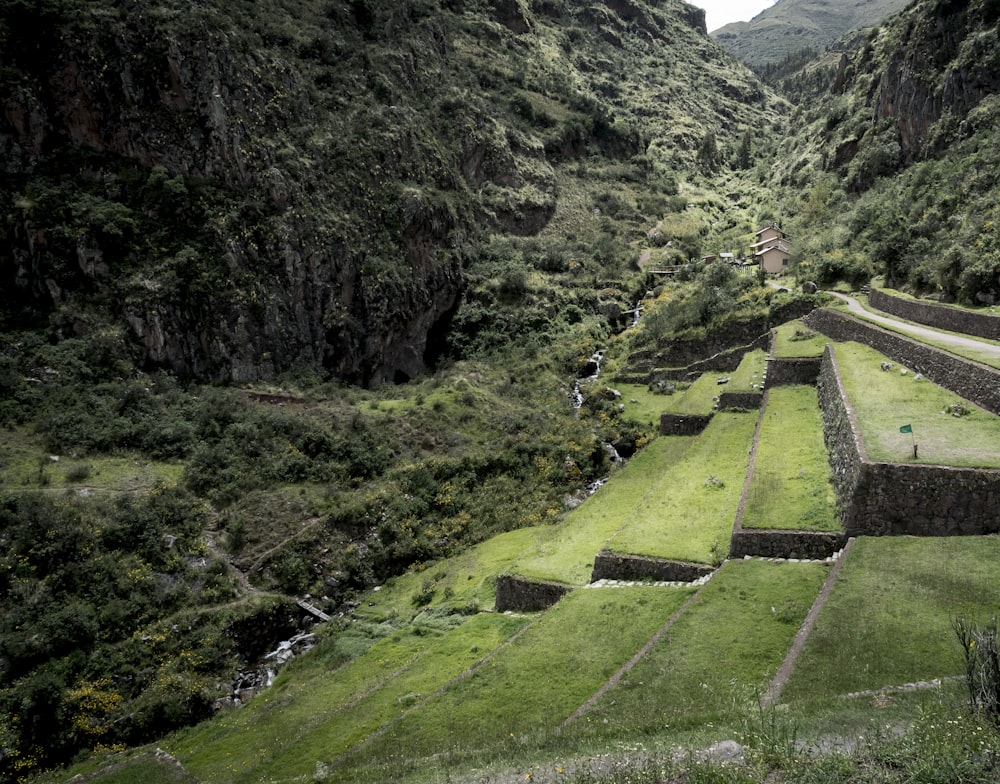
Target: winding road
point(991, 350)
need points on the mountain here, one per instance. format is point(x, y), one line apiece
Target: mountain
point(241, 189)
point(791, 26)
point(896, 149)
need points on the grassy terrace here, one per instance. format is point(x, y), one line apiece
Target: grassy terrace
point(567, 555)
point(795, 339)
point(699, 398)
point(885, 401)
point(792, 486)
point(466, 581)
point(319, 716)
point(25, 464)
point(719, 654)
point(642, 405)
point(519, 695)
point(889, 620)
point(689, 517)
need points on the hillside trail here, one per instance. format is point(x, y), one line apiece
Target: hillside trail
point(991, 350)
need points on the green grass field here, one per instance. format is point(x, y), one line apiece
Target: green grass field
point(700, 396)
point(690, 516)
point(567, 555)
point(314, 711)
point(795, 339)
point(885, 401)
point(718, 656)
point(25, 465)
point(792, 485)
point(889, 620)
point(524, 693)
point(465, 581)
point(644, 406)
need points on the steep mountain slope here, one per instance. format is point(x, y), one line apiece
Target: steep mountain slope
point(790, 26)
point(897, 154)
point(244, 187)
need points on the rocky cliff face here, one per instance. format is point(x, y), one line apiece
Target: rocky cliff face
point(944, 63)
point(197, 182)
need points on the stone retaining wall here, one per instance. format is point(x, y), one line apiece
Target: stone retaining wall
point(740, 401)
point(521, 594)
point(982, 325)
point(967, 379)
point(785, 544)
point(924, 500)
point(880, 499)
point(797, 370)
point(619, 566)
point(683, 424)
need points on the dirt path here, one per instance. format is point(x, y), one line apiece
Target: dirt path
point(928, 333)
point(774, 691)
point(660, 634)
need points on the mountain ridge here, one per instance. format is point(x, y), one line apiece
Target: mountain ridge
point(791, 26)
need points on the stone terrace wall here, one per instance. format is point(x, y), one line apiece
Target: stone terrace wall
point(740, 401)
point(967, 379)
point(683, 424)
point(922, 500)
point(785, 544)
point(723, 362)
point(939, 316)
point(618, 566)
point(518, 593)
point(842, 438)
point(880, 499)
point(786, 371)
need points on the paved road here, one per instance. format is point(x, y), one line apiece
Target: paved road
point(942, 338)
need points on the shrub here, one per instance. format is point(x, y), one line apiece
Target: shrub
point(982, 664)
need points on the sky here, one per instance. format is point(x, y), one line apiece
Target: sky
point(722, 12)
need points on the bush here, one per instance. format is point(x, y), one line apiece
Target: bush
point(982, 664)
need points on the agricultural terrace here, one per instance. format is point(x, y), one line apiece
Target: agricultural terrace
point(795, 339)
point(719, 655)
point(700, 396)
point(948, 430)
point(792, 486)
point(465, 582)
point(318, 713)
point(526, 689)
point(690, 518)
point(641, 404)
point(889, 621)
point(567, 554)
point(958, 348)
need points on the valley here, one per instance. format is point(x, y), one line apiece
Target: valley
point(497, 390)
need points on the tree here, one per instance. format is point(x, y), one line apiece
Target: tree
point(744, 153)
point(708, 152)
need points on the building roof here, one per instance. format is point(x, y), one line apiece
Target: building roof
point(774, 226)
point(776, 242)
point(768, 249)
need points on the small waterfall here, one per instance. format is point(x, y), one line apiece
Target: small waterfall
point(613, 454)
point(591, 371)
point(636, 313)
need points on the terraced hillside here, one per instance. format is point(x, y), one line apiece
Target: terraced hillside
point(424, 682)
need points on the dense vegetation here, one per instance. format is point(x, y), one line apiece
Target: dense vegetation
point(899, 171)
point(529, 163)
